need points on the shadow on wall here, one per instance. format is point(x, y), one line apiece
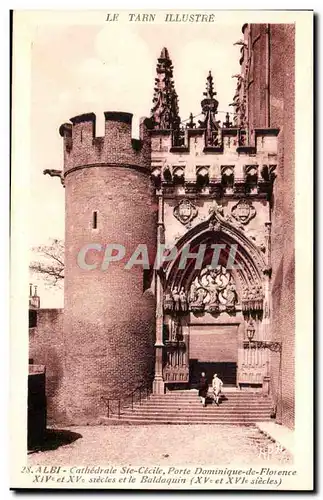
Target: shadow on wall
point(54, 438)
point(54, 371)
point(46, 347)
point(54, 376)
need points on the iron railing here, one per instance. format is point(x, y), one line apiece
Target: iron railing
point(114, 405)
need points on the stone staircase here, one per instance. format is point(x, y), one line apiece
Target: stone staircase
point(184, 407)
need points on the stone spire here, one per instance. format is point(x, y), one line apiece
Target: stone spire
point(209, 109)
point(209, 94)
point(165, 101)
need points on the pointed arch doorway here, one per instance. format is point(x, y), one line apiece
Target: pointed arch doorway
point(209, 309)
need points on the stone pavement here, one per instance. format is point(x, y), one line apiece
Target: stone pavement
point(279, 434)
point(160, 445)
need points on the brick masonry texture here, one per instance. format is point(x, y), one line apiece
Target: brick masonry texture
point(46, 347)
point(283, 221)
point(109, 318)
point(281, 115)
point(82, 147)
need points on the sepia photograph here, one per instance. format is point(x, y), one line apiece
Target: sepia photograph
point(161, 252)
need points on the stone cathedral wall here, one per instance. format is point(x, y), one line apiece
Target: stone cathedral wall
point(272, 49)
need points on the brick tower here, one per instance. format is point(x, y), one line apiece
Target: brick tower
point(109, 313)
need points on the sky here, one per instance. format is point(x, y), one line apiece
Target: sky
point(77, 69)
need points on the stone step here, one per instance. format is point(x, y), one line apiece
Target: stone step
point(195, 418)
point(198, 411)
point(233, 395)
point(225, 388)
point(182, 421)
point(197, 402)
point(212, 409)
point(195, 394)
point(195, 391)
point(210, 395)
point(225, 405)
point(223, 402)
point(204, 416)
point(193, 407)
point(178, 408)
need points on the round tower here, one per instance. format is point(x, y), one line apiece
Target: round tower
point(109, 310)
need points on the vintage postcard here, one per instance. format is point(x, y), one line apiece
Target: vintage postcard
point(161, 321)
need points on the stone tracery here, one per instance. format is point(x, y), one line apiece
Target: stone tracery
point(213, 290)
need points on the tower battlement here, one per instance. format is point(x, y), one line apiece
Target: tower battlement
point(82, 148)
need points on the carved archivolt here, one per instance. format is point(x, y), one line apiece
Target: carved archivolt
point(225, 223)
point(231, 232)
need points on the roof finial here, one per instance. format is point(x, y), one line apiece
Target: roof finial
point(191, 123)
point(209, 109)
point(227, 123)
point(164, 53)
point(165, 101)
point(209, 94)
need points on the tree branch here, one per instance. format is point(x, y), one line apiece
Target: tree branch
point(50, 265)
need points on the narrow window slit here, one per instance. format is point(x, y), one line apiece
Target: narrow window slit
point(95, 220)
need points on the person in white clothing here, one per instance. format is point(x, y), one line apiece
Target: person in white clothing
point(217, 387)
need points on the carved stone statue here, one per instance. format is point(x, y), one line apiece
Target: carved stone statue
point(183, 300)
point(214, 292)
point(197, 300)
point(231, 296)
point(168, 302)
point(176, 298)
point(192, 296)
point(245, 293)
point(201, 293)
point(173, 330)
point(253, 293)
point(213, 289)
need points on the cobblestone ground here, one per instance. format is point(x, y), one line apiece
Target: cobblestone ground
point(159, 445)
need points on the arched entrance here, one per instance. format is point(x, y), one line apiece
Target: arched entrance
point(214, 302)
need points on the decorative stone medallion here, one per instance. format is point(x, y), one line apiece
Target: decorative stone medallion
point(243, 211)
point(185, 211)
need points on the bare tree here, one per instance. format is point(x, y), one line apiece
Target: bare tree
point(49, 263)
